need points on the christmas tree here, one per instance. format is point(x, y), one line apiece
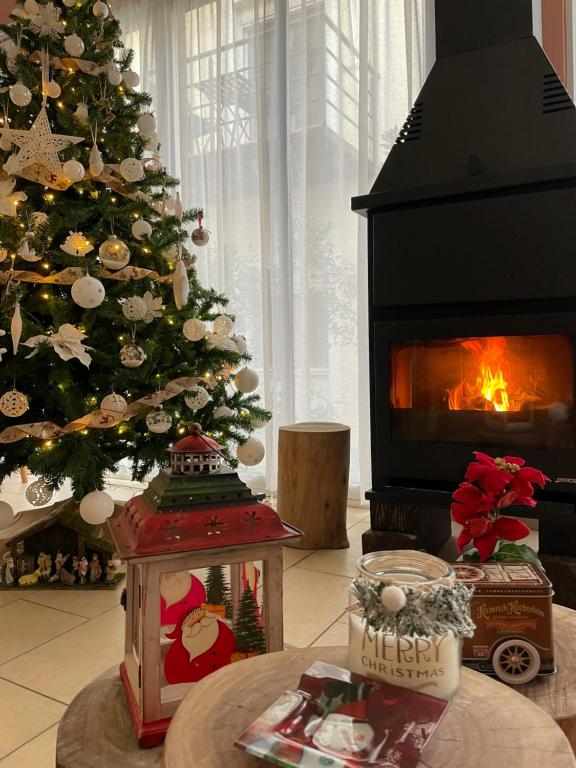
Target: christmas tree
point(217, 590)
point(110, 346)
point(247, 627)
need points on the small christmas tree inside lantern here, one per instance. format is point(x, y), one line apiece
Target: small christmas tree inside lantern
point(190, 540)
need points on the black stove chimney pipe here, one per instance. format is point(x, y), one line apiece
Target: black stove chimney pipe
point(465, 25)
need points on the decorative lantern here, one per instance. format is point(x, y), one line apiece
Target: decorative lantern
point(203, 582)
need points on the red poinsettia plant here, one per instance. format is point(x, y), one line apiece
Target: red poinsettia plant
point(490, 486)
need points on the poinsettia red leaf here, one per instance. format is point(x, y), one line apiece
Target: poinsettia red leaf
point(531, 475)
point(515, 460)
point(479, 526)
point(510, 528)
point(507, 500)
point(494, 481)
point(484, 458)
point(486, 544)
point(475, 471)
point(463, 539)
point(521, 486)
point(525, 501)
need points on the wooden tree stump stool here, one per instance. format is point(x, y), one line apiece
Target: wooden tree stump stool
point(313, 467)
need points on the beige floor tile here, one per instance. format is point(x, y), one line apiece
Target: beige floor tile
point(23, 715)
point(9, 596)
point(337, 634)
point(340, 562)
point(86, 603)
point(358, 515)
point(38, 753)
point(293, 556)
point(62, 667)
point(312, 602)
point(25, 625)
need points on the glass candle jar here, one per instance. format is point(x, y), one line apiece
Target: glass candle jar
point(396, 597)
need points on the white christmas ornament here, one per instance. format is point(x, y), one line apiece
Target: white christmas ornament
point(27, 249)
point(158, 421)
point(74, 170)
point(180, 285)
point(66, 342)
point(69, 3)
point(88, 292)
point(38, 493)
point(134, 308)
point(53, 89)
point(223, 325)
point(241, 344)
point(197, 398)
point(223, 412)
point(100, 10)
point(153, 164)
point(76, 245)
point(153, 307)
point(39, 144)
point(257, 422)
point(141, 229)
point(96, 161)
point(16, 328)
point(146, 124)
point(215, 341)
point(20, 94)
point(178, 210)
point(31, 7)
point(246, 380)
point(153, 142)
point(131, 169)
point(114, 403)
point(393, 598)
point(194, 329)
point(39, 218)
point(200, 236)
point(3, 253)
point(5, 144)
point(3, 350)
point(251, 452)
point(114, 253)
point(9, 199)
point(131, 78)
point(74, 45)
point(82, 115)
point(46, 21)
point(13, 404)
point(132, 355)
point(96, 507)
point(114, 75)
point(6, 515)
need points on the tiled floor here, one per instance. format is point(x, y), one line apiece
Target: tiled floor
point(53, 643)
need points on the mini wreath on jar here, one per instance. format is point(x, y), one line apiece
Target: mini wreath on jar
point(421, 610)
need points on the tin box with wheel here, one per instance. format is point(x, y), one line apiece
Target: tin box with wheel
point(512, 610)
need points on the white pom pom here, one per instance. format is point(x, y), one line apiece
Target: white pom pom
point(393, 598)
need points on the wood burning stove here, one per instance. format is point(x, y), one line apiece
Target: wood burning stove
point(472, 283)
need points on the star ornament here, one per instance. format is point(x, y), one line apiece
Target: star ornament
point(38, 145)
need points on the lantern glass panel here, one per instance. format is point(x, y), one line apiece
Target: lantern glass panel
point(209, 617)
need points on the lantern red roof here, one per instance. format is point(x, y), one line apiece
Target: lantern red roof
point(195, 443)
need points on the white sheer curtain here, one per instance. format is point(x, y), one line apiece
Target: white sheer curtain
point(274, 113)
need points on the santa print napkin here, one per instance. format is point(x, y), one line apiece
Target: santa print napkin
point(337, 719)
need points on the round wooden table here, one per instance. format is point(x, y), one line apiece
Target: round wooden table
point(487, 724)
point(556, 694)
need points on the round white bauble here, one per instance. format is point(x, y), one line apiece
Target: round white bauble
point(88, 292)
point(114, 253)
point(31, 7)
point(141, 229)
point(194, 329)
point(153, 164)
point(134, 308)
point(53, 89)
point(20, 94)
point(96, 507)
point(200, 236)
point(69, 3)
point(131, 78)
point(5, 143)
point(114, 404)
point(74, 45)
point(131, 169)
point(100, 10)
point(153, 142)
point(39, 493)
point(132, 355)
point(257, 422)
point(158, 421)
point(114, 75)
point(81, 114)
point(223, 325)
point(13, 403)
point(197, 398)
point(146, 124)
point(6, 515)
point(393, 598)
point(223, 412)
point(241, 344)
point(246, 380)
point(74, 170)
point(251, 452)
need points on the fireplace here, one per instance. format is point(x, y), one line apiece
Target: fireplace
point(472, 282)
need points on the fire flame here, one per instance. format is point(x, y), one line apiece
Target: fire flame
point(488, 389)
